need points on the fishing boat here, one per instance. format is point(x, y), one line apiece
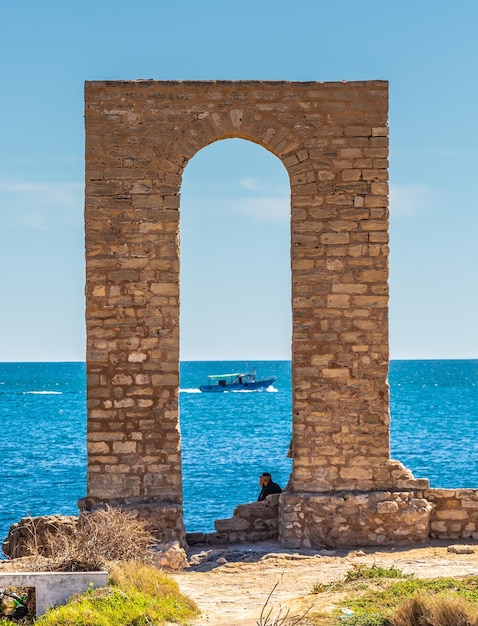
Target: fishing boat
point(236, 382)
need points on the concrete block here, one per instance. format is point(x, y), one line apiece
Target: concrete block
point(54, 588)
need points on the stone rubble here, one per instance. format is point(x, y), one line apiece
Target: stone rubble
point(30, 535)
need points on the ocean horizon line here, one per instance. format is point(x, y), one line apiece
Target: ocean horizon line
point(237, 360)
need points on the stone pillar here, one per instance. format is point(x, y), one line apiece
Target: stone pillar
point(132, 313)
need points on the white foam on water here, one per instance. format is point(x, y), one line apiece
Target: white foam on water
point(43, 393)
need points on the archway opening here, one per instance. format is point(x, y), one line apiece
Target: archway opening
point(235, 285)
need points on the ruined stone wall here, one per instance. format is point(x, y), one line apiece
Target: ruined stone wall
point(353, 518)
point(455, 513)
point(332, 138)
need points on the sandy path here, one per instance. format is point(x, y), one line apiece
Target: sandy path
point(233, 593)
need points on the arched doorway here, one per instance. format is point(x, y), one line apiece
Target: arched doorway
point(235, 314)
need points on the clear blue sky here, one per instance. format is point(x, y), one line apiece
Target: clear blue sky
point(235, 193)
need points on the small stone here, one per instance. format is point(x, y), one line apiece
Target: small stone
point(170, 556)
point(461, 549)
point(221, 561)
point(356, 553)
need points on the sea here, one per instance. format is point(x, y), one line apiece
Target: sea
point(228, 439)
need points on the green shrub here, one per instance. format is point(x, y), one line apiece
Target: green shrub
point(374, 571)
point(361, 573)
point(375, 619)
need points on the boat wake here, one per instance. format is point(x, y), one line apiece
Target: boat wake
point(269, 389)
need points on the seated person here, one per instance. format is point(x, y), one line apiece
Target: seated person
point(267, 486)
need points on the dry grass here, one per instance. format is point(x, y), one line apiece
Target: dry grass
point(104, 535)
point(426, 609)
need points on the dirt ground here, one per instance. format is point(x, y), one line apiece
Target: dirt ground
point(231, 584)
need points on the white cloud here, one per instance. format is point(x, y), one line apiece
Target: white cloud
point(266, 209)
point(34, 221)
point(269, 202)
point(409, 200)
point(41, 205)
point(250, 183)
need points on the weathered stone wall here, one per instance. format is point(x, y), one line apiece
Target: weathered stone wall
point(350, 519)
point(332, 138)
point(353, 518)
point(455, 513)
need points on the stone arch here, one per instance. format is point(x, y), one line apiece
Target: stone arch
point(332, 138)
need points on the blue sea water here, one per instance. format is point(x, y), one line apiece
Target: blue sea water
point(227, 439)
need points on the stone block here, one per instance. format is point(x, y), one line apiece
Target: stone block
point(231, 524)
point(461, 549)
point(470, 505)
point(336, 372)
point(335, 238)
point(451, 514)
point(170, 556)
point(124, 447)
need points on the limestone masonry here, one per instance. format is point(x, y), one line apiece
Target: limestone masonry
point(332, 138)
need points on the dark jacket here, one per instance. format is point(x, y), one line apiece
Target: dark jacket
point(268, 489)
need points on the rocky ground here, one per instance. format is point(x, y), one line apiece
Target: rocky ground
point(231, 584)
